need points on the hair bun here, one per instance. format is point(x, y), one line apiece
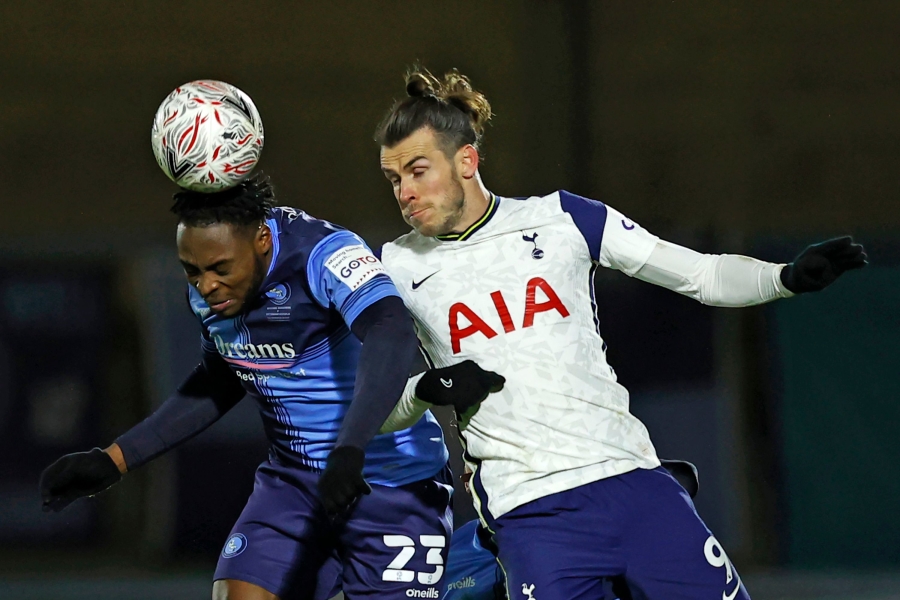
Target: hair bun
point(418, 86)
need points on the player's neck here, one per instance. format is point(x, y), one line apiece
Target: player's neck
point(478, 199)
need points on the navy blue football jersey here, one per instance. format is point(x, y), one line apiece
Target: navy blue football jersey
point(293, 351)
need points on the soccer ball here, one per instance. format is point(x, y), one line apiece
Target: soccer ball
point(207, 136)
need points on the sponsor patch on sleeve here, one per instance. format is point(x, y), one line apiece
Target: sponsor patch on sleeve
point(354, 266)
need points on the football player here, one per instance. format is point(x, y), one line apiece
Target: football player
point(565, 479)
point(298, 314)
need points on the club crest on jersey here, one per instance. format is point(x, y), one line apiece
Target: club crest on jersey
point(460, 311)
point(234, 546)
point(536, 253)
point(279, 294)
point(528, 590)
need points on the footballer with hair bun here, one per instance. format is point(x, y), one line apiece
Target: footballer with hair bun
point(298, 314)
point(565, 478)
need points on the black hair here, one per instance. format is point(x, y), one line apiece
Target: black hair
point(448, 105)
point(245, 204)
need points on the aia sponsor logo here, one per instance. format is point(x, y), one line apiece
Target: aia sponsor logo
point(465, 322)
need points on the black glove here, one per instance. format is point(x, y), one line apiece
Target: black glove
point(461, 386)
point(684, 473)
point(820, 265)
point(76, 475)
point(342, 483)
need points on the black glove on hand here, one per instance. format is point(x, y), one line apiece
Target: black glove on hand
point(342, 483)
point(76, 475)
point(461, 386)
point(820, 265)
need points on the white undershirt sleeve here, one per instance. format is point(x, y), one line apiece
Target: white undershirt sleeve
point(408, 410)
point(713, 279)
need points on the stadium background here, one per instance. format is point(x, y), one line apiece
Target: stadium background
point(744, 127)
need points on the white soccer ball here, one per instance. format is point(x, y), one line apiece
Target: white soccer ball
point(207, 136)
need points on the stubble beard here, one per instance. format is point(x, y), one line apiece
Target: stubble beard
point(259, 274)
point(455, 203)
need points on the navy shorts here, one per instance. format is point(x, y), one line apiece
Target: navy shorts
point(640, 527)
point(392, 544)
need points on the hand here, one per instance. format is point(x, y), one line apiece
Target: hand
point(820, 265)
point(462, 386)
point(76, 475)
point(342, 483)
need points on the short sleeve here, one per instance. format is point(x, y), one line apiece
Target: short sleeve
point(626, 245)
point(344, 273)
point(589, 217)
point(613, 240)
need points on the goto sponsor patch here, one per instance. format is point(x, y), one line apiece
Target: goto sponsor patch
point(354, 265)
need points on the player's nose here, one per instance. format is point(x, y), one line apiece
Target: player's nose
point(207, 285)
point(407, 194)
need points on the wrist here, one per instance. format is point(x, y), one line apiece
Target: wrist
point(414, 386)
point(786, 278)
point(115, 453)
point(780, 285)
point(346, 453)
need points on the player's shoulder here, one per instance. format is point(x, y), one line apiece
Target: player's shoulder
point(548, 205)
point(539, 202)
point(409, 244)
point(515, 213)
point(301, 235)
point(580, 208)
point(298, 228)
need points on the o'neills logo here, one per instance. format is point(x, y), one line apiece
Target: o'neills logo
point(229, 350)
point(429, 593)
point(462, 584)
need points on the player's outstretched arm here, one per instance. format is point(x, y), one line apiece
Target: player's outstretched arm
point(820, 265)
point(204, 397)
point(734, 281)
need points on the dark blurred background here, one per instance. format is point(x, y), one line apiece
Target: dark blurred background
point(742, 127)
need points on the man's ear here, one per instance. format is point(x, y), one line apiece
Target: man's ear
point(467, 161)
point(263, 239)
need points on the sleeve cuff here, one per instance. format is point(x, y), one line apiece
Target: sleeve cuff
point(783, 292)
point(408, 410)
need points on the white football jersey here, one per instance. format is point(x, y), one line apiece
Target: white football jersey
point(515, 294)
